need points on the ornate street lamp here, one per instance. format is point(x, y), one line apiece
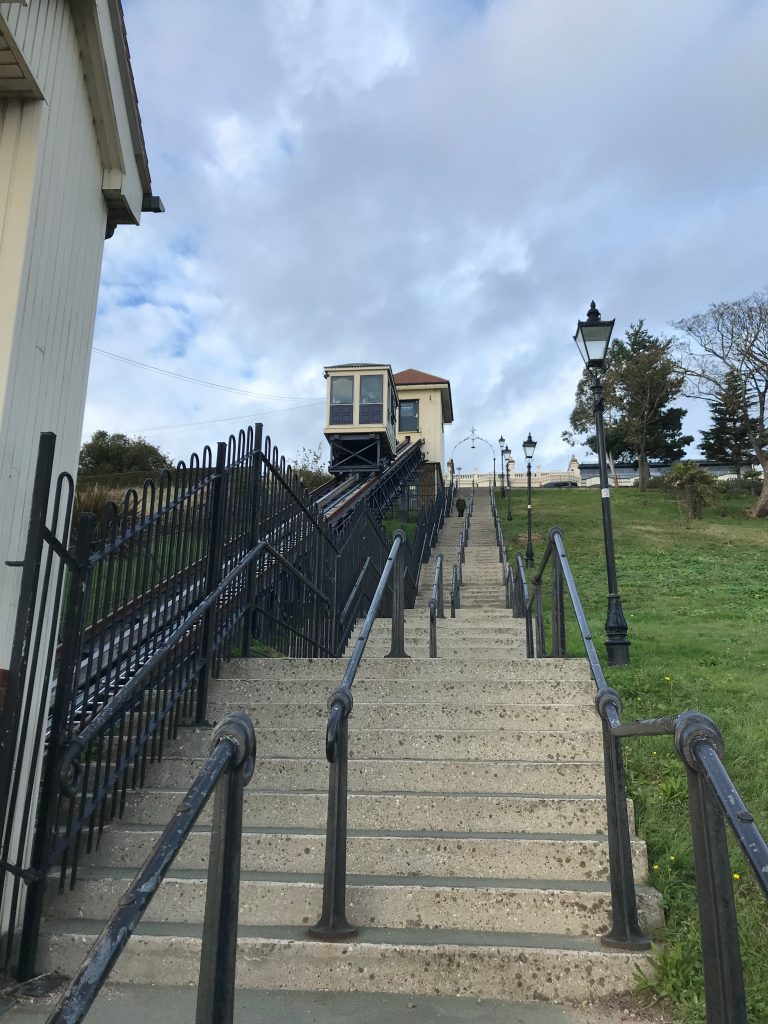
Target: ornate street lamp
point(529, 447)
point(505, 466)
point(501, 465)
point(592, 338)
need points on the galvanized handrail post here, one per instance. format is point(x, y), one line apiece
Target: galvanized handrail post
point(397, 648)
point(232, 755)
point(218, 954)
point(440, 589)
point(541, 648)
point(720, 951)
point(558, 610)
point(333, 925)
point(625, 931)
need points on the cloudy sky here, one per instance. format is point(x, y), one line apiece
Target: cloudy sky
point(437, 184)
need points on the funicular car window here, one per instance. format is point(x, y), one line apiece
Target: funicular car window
point(342, 400)
point(371, 398)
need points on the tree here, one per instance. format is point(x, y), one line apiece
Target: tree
point(727, 440)
point(696, 484)
point(640, 380)
point(311, 468)
point(582, 422)
point(113, 454)
point(732, 338)
point(646, 379)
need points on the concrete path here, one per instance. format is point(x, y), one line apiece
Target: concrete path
point(137, 1004)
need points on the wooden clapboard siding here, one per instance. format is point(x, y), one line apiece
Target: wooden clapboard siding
point(57, 263)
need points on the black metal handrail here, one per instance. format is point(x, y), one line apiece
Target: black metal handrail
point(625, 932)
point(230, 763)
point(712, 799)
point(333, 924)
point(436, 606)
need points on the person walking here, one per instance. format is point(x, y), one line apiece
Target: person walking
point(460, 506)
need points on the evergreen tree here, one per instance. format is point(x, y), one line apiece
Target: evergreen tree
point(640, 380)
point(727, 440)
point(645, 379)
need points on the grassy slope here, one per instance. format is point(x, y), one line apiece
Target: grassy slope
point(696, 600)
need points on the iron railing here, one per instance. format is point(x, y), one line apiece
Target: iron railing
point(436, 606)
point(224, 775)
point(333, 924)
point(155, 592)
point(713, 799)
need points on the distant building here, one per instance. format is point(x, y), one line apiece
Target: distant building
point(627, 472)
point(425, 407)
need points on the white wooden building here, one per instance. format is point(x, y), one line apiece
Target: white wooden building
point(72, 166)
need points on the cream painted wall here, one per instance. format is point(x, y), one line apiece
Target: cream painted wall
point(430, 421)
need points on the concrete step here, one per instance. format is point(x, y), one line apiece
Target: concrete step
point(510, 691)
point(536, 670)
point(585, 778)
point(415, 743)
point(440, 854)
point(447, 647)
point(493, 905)
point(449, 628)
point(397, 715)
point(384, 812)
point(504, 965)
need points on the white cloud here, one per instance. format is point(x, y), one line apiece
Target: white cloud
point(438, 183)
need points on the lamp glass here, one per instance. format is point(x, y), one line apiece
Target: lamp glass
point(592, 338)
point(529, 447)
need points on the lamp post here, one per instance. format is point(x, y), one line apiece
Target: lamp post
point(501, 465)
point(494, 471)
point(529, 447)
point(505, 464)
point(592, 338)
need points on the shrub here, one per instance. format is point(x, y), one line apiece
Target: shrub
point(696, 485)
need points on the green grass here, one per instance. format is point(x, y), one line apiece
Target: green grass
point(695, 596)
point(408, 527)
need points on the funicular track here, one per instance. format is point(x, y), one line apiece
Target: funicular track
point(378, 491)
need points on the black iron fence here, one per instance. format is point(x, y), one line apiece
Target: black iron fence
point(220, 554)
point(713, 799)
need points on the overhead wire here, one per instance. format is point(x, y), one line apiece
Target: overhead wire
point(196, 380)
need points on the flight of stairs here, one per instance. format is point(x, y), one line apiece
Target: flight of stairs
point(477, 854)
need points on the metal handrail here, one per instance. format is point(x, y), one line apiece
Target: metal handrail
point(333, 924)
point(712, 800)
point(625, 932)
point(436, 607)
point(232, 759)
point(712, 797)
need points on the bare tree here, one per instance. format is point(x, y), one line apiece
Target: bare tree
point(732, 338)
